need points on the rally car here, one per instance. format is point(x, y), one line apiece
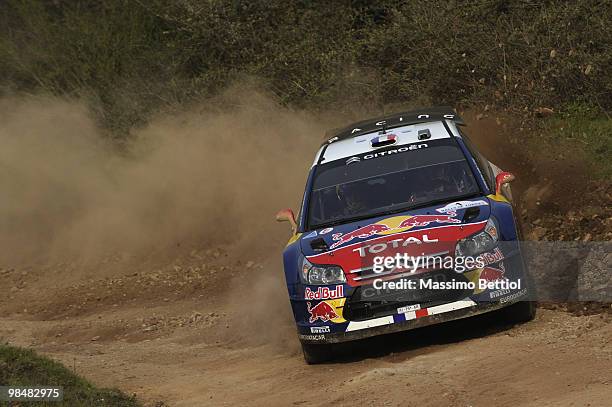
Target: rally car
point(411, 187)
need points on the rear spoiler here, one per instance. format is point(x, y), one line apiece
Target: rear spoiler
point(433, 114)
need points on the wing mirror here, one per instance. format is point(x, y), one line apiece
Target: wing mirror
point(502, 179)
point(287, 215)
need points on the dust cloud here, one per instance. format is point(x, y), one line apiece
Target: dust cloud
point(216, 173)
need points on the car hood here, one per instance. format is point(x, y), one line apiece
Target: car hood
point(433, 229)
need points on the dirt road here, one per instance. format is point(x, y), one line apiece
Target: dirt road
point(182, 335)
point(206, 321)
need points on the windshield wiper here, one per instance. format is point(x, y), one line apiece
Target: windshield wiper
point(392, 211)
point(429, 203)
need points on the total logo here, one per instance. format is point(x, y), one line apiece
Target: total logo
point(390, 226)
point(324, 293)
point(381, 247)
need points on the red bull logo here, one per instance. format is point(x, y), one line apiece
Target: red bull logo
point(425, 220)
point(492, 257)
point(491, 274)
point(362, 233)
point(386, 229)
point(324, 293)
point(322, 311)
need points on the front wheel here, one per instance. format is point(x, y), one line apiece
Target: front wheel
point(522, 311)
point(314, 354)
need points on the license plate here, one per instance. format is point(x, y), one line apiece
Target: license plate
point(408, 308)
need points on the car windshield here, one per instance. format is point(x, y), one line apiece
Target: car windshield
point(389, 180)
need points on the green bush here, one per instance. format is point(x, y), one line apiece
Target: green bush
point(23, 368)
point(588, 130)
point(518, 53)
point(132, 58)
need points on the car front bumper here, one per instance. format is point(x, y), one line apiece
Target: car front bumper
point(412, 320)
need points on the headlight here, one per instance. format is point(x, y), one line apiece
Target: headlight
point(321, 274)
point(479, 243)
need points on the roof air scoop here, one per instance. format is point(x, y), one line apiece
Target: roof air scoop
point(318, 245)
point(424, 134)
point(382, 141)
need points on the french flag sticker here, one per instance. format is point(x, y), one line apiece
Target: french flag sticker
point(384, 140)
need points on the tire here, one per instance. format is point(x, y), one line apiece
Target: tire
point(521, 312)
point(314, 354)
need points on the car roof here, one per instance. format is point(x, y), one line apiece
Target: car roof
point(360, 144)
point(430, 114)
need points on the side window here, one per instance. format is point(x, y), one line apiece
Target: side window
point(481, 161)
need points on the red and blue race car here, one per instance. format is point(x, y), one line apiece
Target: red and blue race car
point(403, 224)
